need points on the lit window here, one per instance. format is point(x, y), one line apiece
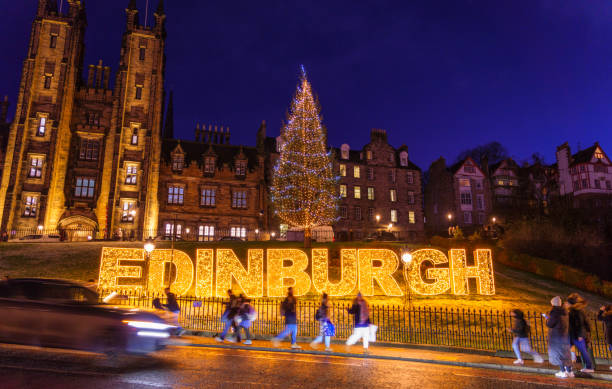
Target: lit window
point(30, 206)
point(48, 82)
point(599, 154)
point(89, 149)
point(466, 198)
point(238, 232)
point(42, 126)
point(175, 195)
point(208, 198)
point(209, 165)
point(356, 172)
point(393, 216)
point(36, 164)
point(464, 182)
point(128, 212)
point(357, 213)
point(393, 195)
point(467, 217)
point(141, 54)
point(342, 170)
point(53, 41)
point(370, 193)
point(357, 192)
point(342, 190)
point(411, 218)
point(239, 199)
point(138, 92)
point(131, 175)
point(410, 197)
point(343, 212)
point(368, 154)
point(206, 233)
point(370, 173)
point(134, 140)
point(84, 187)
point(240, 168)
point(409, 178)
point(169, 229)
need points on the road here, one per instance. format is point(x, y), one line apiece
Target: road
point(197, 367)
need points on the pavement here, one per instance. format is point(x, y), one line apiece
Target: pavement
point(405, 353)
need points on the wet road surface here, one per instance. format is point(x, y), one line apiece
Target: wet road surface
point(194, 367)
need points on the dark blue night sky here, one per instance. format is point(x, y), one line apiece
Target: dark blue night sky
point(440, 76)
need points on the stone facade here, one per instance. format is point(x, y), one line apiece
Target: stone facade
point(378, 180)
point(211, 189)
point(72, 142)
point(459, 196)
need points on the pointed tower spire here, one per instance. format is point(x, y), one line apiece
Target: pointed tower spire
point(160, 17)
point(169, 124)
point(132, 14)
point(132, 5)
point(160, 8)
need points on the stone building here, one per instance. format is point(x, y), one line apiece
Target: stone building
point(4, 130)
point(211, 189)
point(380, 190)
point(457, 196)
point(80, 151)
point(585, 178)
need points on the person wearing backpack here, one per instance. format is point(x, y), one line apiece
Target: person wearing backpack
point(246, 316)
point(520, 329)
point(326, 327)
point(288, 310)
point(580, 330)
point(231, 309)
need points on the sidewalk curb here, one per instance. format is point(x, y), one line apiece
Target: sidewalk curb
point(481, 365)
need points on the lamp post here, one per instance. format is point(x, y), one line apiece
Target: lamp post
point(257, 234)
point(377, 224)
point(407, 261)
point(149, 246)
point(449, 216)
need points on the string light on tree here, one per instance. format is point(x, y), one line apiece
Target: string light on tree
point(304, 189)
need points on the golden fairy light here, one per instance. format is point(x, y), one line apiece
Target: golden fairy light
point(440, 275)
point(121, 269)
point(383, 274)
point(482, 271)
point(228, 266)
point(204, 273)
point(157, 274)
point(278, 273)
point(320, 272)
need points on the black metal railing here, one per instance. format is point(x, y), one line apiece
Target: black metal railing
point(452, 327)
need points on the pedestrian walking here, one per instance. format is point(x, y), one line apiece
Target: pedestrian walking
point(288, 310)
point(245, 317)
point(326, 327)
point(580, 330)
point(361, 318)
point(520, 329)
point(173, 307)
point(557, 322)
point(227, 318)
point(605, 315)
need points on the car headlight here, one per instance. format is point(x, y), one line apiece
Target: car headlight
point(153, 334)
point(148, 325)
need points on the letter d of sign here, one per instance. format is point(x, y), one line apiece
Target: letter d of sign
point(184, 271)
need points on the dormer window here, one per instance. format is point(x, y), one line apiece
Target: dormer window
point(599, 154)
point(178, 161)
point(240, 168)
point(404, 158)
point(209, 165)
point(344, 151)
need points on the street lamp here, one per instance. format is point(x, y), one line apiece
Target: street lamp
point(450, 217)
point(389, 226)
point(257, 234)
point(273, 234)
point(40, 227)
point(149, 246)
point(407, 261)
point(493, 219)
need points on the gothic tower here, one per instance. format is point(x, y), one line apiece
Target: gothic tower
point(32, 186)
point(136, 144)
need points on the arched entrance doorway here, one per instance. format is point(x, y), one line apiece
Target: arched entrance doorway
point(77, 228)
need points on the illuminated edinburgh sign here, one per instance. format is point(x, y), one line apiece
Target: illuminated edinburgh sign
point(430, 273)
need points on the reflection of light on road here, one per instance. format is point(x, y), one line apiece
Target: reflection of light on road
point(275, 358)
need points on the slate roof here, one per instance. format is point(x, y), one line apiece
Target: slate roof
point(194, 151)
point(584, 156)
point(355, 157)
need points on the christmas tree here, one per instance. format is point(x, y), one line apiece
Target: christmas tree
point(304, 189)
